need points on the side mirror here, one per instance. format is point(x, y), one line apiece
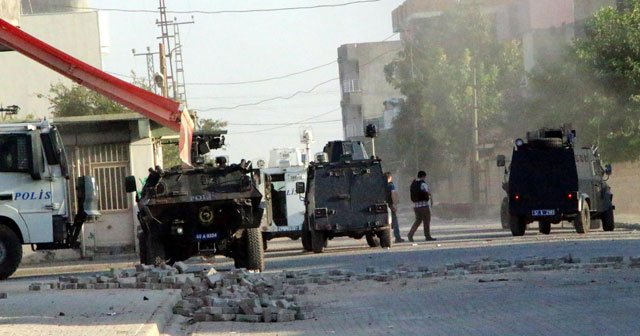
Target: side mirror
point(500, 160)
point(130, 184)
point(37, 159)
point(607, 169)
point(300, 188)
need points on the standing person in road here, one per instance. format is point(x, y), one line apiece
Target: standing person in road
point(421, 198)
point(392, 200)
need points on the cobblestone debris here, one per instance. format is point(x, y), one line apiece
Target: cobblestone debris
point(239, 295)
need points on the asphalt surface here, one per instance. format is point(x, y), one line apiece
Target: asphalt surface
point(551, 303)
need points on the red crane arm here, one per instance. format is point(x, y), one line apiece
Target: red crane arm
point(157, 108)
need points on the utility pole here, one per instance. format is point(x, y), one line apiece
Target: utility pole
point(150, 67)
point(475, 157)
point(173, 52)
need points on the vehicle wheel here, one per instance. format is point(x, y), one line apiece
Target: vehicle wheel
point(372, 240)
point(582, 222)
point(254, 248)
point(504, 213)
point(10, 252)
point(385, 237)
point(306, 237)
point(545, 227)
point(518, 225)
point(142, 246)
point(248, 251)
point(318, 241)
point(608, 223)
point(154, 250)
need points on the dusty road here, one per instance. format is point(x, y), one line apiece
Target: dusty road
point(573, 302)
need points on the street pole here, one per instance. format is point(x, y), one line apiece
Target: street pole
point(163, 70)
point(475, 157)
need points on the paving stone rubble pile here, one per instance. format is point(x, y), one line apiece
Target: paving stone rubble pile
point(239, 295)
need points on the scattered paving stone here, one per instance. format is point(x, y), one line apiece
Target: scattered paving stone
point(238, 295)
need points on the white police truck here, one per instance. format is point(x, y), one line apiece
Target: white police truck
point(35, 206)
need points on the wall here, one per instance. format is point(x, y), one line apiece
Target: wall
point(24, 80)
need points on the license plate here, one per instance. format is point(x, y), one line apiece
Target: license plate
point(206, 236)
point(543, 212)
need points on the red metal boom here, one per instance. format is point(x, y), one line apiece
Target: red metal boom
point(160, 109)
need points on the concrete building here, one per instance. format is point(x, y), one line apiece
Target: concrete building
point(545, 27)
point(363, 85)
point(26, 83)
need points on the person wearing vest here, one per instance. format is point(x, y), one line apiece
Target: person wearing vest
point(392, 201)
point(421, 197)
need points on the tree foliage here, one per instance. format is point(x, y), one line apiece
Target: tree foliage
point(596, 87)
point(436, 72)
point(79, 101)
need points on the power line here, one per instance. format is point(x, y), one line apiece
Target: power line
point(269, 99)
point(265, 79)
point(239, 11)
point(289, 124)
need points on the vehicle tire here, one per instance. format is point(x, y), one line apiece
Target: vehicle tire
point(546, 143)
point(504, 213)
point(582, 222)
point(155, 253)
point(372, 240)
point(265, 246)
point(10, 252)
point(142, 247)
point(385, 237)
point(254, 250)
point(248, 251)
point(318, 241)
point(608, 223)
point(518, 225)
point(306, 236)
point(545, 227)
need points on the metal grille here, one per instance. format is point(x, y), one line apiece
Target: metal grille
point(109, 164)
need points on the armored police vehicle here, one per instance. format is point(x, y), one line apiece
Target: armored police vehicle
point(345, 196)
point(207, 209)
point(283, 206)
point(550, 180)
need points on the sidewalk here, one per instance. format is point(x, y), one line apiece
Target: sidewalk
point(83, 312)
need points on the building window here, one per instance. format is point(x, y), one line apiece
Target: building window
point(109, 164)
point(351, 85)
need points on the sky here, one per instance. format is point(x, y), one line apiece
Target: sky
point(238, 47)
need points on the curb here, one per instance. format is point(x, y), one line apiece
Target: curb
point(160, 317)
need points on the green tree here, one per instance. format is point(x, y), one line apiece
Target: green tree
point(596, 86)
point(79, 101)
point(436, 72)
point(610, 53)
